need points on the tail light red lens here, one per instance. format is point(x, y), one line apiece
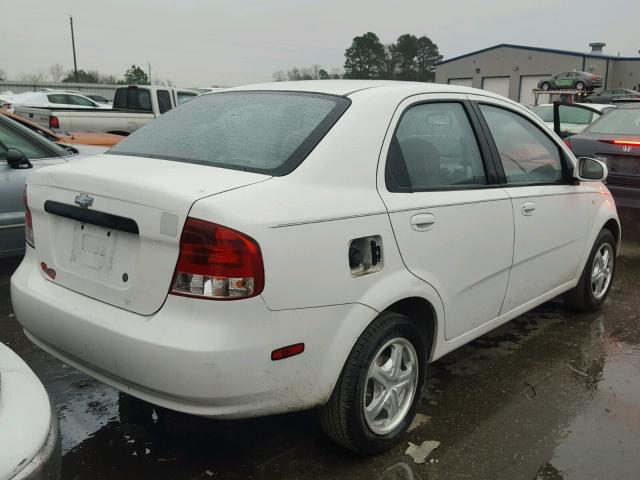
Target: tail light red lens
point(28, 220)
point(567, 142)
point(54, 122)
point(217, 263)
point(630, 143)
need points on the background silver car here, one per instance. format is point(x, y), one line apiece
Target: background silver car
point(21, 151)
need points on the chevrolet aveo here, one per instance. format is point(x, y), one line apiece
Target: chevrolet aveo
point(309, 244)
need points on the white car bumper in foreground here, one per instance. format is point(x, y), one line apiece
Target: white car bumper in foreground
point(202, 357)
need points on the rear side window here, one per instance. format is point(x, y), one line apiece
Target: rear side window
point(264, 132)
point(434, 147)
point(164, 101)
point(528, 156)
point(185, 96)
point(133, 99)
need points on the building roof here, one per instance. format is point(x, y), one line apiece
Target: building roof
point(539, 49)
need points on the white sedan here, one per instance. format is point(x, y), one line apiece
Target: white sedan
point(55, 99)
point(309, 244)
point(29, 431)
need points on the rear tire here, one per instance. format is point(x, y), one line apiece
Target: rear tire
point(580, 86)
point(385, 369)
point(597, 277)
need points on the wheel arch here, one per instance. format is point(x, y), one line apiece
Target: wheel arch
point(423, 314)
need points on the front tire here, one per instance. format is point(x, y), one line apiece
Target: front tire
point(545, 86)
point(580, 86)
point(596, 279)
point(376, 396)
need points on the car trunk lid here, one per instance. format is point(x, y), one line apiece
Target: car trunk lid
point(109, 227)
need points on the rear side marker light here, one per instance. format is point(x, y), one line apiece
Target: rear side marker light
point(286, 352)
point(217, 263)
point(28, 220)
point(54, 122)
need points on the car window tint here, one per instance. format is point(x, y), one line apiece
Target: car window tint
point(620, 121)
point(527, 154)
point(266, 132)
point(185, 96)
point(132, 99)
point(57, 98)
point(164, 101)
point(9, 138)
point(435, 148)
point(77, 100)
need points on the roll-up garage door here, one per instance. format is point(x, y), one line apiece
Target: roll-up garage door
point(527, 84)
point(499, 85)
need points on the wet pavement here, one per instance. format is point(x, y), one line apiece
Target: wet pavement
point(551, 395)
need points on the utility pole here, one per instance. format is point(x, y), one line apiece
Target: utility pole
point(73, 45)
point(149, 67)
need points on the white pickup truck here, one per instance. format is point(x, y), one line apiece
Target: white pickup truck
point(133, 107)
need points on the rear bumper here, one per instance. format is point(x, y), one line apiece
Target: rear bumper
point(47, 463)
point(196, 356)
point(625, 197)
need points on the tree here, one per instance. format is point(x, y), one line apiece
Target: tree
point(56, 72)
point(3, 75)
point(31, 77)
point(323, 74)
point(90, 76)
point(427, 59)
point(365, 57)
point(315, 72)
point(135, 76)
point(404, 53)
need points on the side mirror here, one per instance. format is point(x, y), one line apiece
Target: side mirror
point(592, 170)
point(16, 159)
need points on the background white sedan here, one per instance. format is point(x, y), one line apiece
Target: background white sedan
point(55, 99)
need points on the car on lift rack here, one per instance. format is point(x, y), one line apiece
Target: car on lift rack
point(571, 81)
point(315, 244)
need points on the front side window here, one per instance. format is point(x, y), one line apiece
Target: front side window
point(9, 138)
point(434, 147)
point(528, 156)
point(57, 98)
point(261, 131)
point(77, 100)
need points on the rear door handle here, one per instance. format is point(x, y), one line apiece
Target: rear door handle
point(528, 208)
point(423, 221)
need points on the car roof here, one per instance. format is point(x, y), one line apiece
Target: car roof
point(348, 87)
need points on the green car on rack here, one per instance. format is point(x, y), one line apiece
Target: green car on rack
point(571, 81)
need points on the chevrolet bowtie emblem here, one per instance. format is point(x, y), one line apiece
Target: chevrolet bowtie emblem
point(84, 200)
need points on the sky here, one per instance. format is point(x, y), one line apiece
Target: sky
point(218, 42)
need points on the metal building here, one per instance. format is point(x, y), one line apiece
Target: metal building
point(515, 70)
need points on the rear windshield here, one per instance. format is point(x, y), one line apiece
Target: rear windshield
point(132, 99)
point(264, 132)
point(625, 121)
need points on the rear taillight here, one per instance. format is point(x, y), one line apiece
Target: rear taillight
point(217, 263)
point(28, 221)
point(54, 122)
point(567, 142)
